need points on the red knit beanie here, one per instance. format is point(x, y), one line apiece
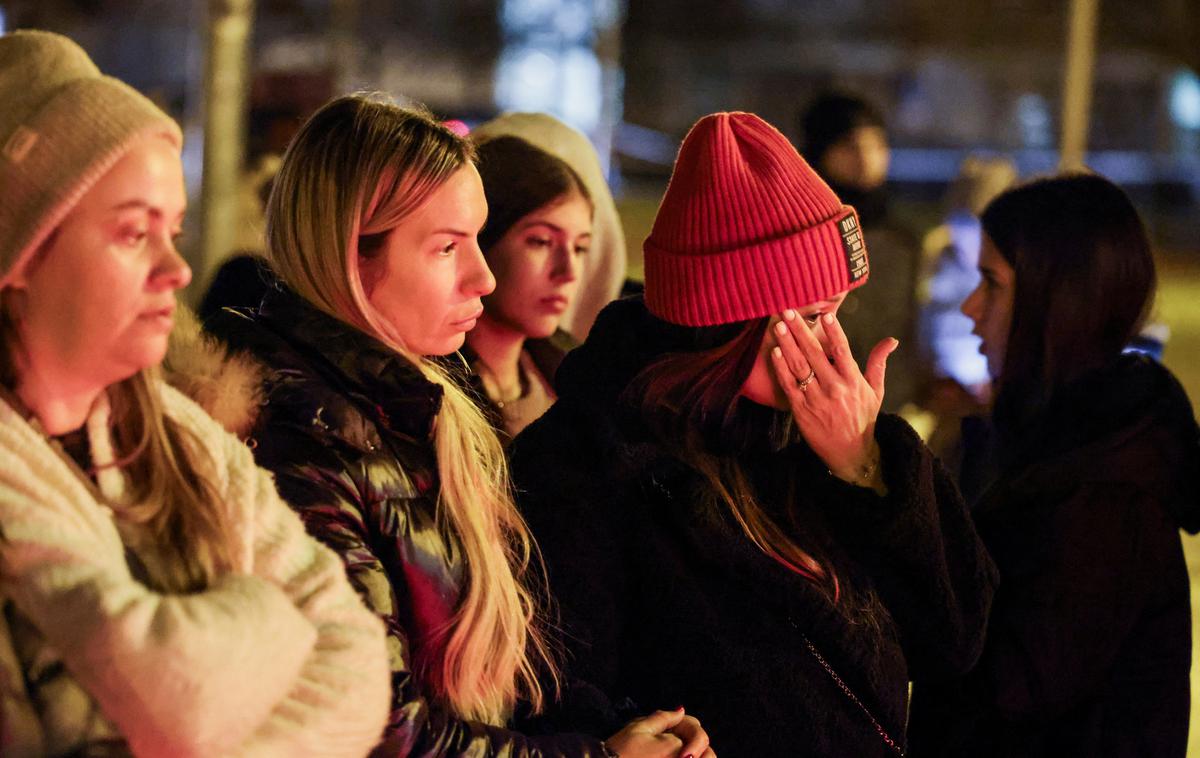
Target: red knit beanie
point(747, 229)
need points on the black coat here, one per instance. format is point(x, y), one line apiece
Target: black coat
point(665, 600)
point(346, 428)
point(1089, 643)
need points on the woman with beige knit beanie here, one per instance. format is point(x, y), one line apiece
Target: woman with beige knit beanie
point(158, 596)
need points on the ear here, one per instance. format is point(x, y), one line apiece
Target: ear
point(19, 278)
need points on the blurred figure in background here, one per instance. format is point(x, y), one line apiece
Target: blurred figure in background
point(602, 270)
point(159, 598)
point(1097, 461)
point(536, 241)
point(845, 139)
point(243, 278)
point(959, 385)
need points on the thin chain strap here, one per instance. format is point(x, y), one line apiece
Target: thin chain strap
point(853, 698)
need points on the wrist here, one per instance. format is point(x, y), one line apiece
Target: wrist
point(865, 472)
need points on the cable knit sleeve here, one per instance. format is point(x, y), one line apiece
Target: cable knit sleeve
point(338, 702)
point(179, 675)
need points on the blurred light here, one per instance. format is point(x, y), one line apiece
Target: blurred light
point(581, 88)
point(608, 13)
point(646, 144)
point(3, 22)
point(1184, 103)
point(525, 79)
point(566, 84)
point(571, 20)
point(1033, 119)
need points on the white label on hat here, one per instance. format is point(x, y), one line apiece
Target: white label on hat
point(852, 245)
point(19, 144)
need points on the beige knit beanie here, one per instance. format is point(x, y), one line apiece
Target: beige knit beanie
point(63, 125)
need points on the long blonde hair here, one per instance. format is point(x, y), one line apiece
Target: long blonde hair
point(167, 492)
point(352, 174)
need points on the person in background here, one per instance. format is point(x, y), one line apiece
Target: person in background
point(602, 270)
point(959, 385)
point(159, 598)
point(241, 280)
point(845, 139)
point(371, 228)
point(727, 518)
point(1098, 460)
point(537, 236)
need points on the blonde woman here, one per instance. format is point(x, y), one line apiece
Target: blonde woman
point(158, 597)
point(371, 227)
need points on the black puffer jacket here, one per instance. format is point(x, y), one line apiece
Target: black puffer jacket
point(346, 429)
point(666, 601)
point(1089, 643)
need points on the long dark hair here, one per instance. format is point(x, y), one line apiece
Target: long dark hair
point(1084, 280)
point(518, 178)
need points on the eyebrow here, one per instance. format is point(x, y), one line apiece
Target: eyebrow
point(452, 232)
point(142, 205)
point(555, 227)
point(131, 204)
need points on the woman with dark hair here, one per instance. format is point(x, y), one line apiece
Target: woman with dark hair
point(727, 519)
point(1098, 460)
point(539, 227)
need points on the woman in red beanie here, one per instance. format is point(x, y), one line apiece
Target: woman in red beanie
point(728, 520)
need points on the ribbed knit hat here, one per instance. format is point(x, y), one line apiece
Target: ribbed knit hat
point(747, 229)
point(63, 125)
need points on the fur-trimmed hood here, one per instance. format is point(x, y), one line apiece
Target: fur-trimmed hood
point(226, 384)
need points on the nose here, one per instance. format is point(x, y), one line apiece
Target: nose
point(171, 271)
point(566, 265)
point(475, 276)
point(970, 306)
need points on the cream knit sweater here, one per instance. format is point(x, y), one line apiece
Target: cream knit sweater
point(279, 657)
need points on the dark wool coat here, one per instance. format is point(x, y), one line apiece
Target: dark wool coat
point(665, 600)
point(346, 428)
point(1089, 643)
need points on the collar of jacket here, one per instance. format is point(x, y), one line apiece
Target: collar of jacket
point(384, 386)
point(1127, 423)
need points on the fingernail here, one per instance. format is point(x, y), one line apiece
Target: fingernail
point(789, 314)
point(827, 318)
point(780, 328)
point(680, 708)
point(777, 352)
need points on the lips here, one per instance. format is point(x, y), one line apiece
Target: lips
point(469, 321)
point(164, 314)
point(554, 303)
